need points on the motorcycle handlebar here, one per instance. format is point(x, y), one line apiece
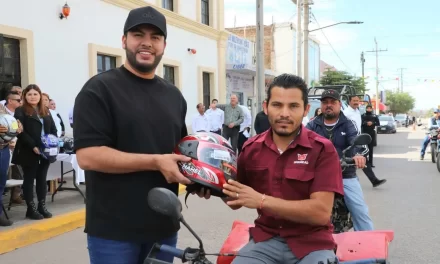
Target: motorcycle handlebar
point(177, 253)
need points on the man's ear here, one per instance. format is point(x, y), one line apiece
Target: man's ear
point(124, 41)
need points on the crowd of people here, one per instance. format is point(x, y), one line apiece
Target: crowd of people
point(23, 157)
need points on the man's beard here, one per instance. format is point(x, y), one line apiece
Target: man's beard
point(140, 67)
point(285, 134)
point(329, 116)
point(369, 112)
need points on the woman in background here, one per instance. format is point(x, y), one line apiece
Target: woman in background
point(37, 122)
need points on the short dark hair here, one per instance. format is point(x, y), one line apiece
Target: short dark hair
point(214, 100)
point(353, 96)
point(199, 104)
point(289, 81)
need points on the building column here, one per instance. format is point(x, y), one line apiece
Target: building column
point(221, 69)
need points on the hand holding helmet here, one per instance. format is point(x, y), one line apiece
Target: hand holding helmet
point(167, 165)
point(9, 128)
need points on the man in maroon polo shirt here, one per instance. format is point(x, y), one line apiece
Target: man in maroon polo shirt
point(290, 175)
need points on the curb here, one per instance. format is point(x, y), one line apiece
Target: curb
point(29, 234)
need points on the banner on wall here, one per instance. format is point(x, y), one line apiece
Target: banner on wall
point(239, 51)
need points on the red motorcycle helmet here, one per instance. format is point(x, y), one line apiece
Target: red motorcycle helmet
point(213, 162)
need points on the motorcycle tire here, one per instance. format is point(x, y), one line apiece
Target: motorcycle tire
point(433, 152)
point(438, 163)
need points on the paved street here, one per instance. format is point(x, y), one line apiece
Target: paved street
point(409, 203)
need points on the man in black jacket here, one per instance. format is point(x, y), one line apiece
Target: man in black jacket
point(341, 131)
point(261, 123)
point(369, 123)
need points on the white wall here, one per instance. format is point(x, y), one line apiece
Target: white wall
point(285, 51)
point(61, 46)
point(187, 8)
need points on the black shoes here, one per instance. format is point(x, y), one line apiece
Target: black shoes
point(4, 221)
point(43, 210)
point(32, 212)
point(379, 182)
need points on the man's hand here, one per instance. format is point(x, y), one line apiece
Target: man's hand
point(167, 164)
point(12, 144)
point(359, 161)
point(231, 125)
point(243, 195)
point(369, 123)
point(20, 127)
point(3, 129)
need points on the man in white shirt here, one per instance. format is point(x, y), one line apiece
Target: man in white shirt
point(216, 118)
point(352, 112)
point(200, 121)
point(245, 127)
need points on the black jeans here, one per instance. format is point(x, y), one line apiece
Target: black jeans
point(231, 133)
point(37, 172)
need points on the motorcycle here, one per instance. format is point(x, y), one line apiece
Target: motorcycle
point(434, 143)
point(362, 247)
point(341, 217)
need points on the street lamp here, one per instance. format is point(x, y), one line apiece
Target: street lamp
point(349, 22)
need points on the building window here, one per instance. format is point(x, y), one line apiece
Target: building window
point(10, 71)
point(206, 89)
point(106, 63)
point(168, 74)
point(205, 12)
point(168, 4)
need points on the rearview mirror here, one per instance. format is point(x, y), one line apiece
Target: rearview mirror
point(165, 202)
point(362, 139)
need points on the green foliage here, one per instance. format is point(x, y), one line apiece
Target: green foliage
point(399, 103)
point(331, 77)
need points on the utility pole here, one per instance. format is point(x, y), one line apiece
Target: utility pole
point(298, 38)
point(306, 41)
point(401, 79)
point(260, 55)
point(377, 75)
point(363, 64)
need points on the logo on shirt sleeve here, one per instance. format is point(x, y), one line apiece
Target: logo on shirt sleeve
point(302, 159)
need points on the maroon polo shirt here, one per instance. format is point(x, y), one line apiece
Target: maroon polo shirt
point(310, 164)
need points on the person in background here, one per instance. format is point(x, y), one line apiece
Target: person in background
point(37, 122)
point(261, 123)
point(13, 101)
point(216, 117)
point(200, 122)
point(352, 112)
point(46, 102)
point(5, 157)
point(245, 127)
point(317, 113)
point(59, 123)
point(233, 119)
point(433, 122)
point(369, 123)
point(414, 122)
point(7, 90)
point(341, 131)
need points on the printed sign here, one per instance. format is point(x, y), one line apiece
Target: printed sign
point(239, 51)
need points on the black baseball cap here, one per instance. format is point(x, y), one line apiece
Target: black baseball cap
point(146, 15)
point(330, 94)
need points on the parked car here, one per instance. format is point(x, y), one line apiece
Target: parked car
point(387, 124)
point(402, 120)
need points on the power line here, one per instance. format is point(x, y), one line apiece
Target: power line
point(328, 41)
point(377, 73)
point(401, 78)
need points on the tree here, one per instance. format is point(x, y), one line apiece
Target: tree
point(399, 102)
point(333, 77)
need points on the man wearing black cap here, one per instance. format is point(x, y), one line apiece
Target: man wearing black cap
point(127, 123)
point(341, 131)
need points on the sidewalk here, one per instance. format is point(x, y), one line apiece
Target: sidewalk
point(68, 211)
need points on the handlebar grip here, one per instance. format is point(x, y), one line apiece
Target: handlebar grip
point(349, 161)
point(178, 253)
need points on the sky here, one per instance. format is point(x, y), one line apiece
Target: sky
point(409, 31)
